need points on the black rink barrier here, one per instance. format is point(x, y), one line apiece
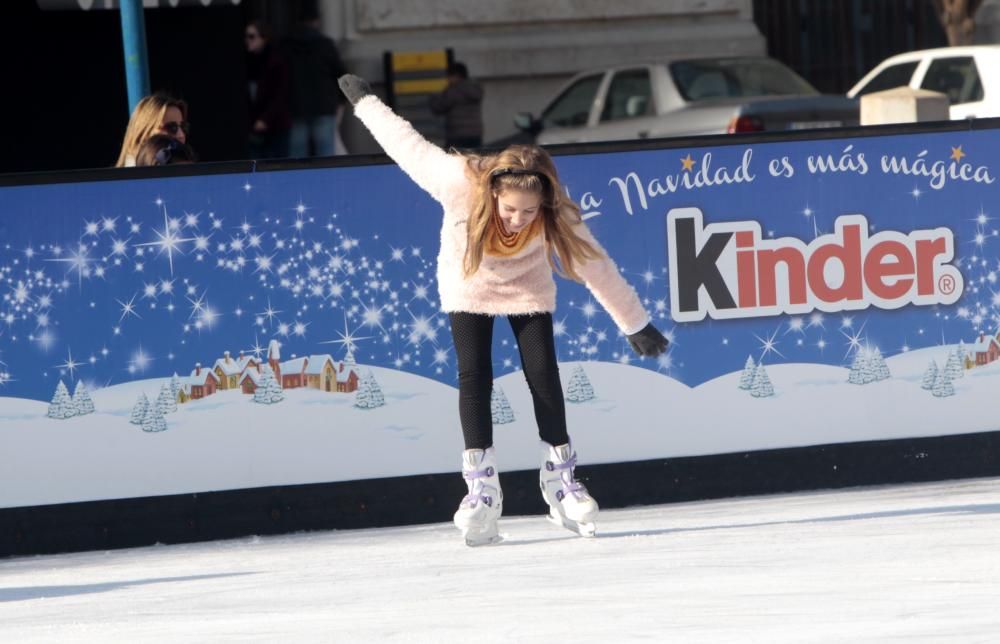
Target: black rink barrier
point(408, 500)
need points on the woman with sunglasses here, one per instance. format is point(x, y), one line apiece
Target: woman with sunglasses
point(507, 224)
point(158, 113)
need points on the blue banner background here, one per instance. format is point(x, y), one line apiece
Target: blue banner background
point(349, 256)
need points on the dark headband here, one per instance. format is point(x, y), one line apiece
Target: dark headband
point(499, 172)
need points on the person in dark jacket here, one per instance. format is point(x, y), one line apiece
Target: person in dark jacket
point(316, 101)
point(267, 73)
point(461, 104)
point(163, 149)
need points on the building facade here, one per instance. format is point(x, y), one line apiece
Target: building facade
point(522, 51)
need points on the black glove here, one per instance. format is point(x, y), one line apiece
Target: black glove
point(648, 341)
point(354, 87)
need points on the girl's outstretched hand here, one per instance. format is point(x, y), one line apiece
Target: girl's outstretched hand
point(648, 342)
point(354, 87)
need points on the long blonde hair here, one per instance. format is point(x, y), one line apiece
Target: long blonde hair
point(147, 117)
point(527, 168)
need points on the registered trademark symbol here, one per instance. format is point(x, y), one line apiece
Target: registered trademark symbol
point(946, 284)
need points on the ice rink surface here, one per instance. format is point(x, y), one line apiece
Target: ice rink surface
point(913, 563)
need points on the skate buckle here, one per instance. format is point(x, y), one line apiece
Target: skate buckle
point(471, 475)
point(568, 464)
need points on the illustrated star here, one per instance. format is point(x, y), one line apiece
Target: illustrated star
point(347, 339)
point(688, 163)
point(169, 240)
point(77, 261)
point(957, 154)
point(270, 313)
point(768, 344)
point(128, 309)
point(70, 365)
point(257, 350)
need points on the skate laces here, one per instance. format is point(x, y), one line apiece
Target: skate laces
point(566, 478)
point(476, 492)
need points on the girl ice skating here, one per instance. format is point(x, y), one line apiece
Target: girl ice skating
point(507, 225)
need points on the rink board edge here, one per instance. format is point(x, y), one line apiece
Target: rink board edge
point(409, 500)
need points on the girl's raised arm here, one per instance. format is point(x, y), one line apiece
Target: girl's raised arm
point(429, 166)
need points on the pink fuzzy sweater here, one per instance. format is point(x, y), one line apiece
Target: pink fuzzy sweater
point(513, 285)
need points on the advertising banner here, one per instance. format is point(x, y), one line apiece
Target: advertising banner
point(230, 331)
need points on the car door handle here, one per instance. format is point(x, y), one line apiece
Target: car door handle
point(643, 134)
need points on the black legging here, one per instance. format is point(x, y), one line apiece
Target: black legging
point(473, 337)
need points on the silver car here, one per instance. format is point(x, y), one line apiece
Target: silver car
point(686, 98)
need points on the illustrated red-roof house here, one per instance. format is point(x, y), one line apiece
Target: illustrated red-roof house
point(247, 362)
point(293, 373)
point(986, 350)
point(347, 377)
point(228, 371)
point(321, 373)
point(249, 381)
point(201, 383)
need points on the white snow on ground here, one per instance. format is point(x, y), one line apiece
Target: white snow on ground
point(915, 563)
point(227, 442)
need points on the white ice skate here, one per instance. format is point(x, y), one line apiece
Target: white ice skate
point(480, 509)
point(570, 506)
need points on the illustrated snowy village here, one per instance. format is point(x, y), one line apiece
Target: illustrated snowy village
point(265, 381)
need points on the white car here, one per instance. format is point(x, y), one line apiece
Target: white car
point(685, 97)
point(967, 75)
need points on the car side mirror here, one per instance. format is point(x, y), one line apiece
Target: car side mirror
point(526, 122)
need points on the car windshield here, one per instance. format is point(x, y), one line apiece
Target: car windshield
point(699, 80)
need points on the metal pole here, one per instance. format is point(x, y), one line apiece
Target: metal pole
point(136, 60)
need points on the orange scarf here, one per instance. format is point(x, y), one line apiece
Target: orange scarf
point(503, 244)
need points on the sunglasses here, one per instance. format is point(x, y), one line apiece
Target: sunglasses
point(173, 127)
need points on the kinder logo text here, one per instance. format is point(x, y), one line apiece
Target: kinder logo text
point(728, 270)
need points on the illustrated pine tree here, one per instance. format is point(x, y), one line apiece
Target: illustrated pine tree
point(879, 365)
point(82, 402)
point(377, 397)
point(153, 421)
point(942, 385)
point(953, 367)
point(869, 371)
point(856, 376)
point(260, 393)
point(746, 378)
point(579, 388)
point(166, 402)
point(369, 394)
point(62, 405)
point(500, 407)
point(139, 409)
point(268, 390)
point(275, 391)
point(175, 386)
point(930, 376)
point(761, 387)
point(349, 359)
point(962, 353)
point(362, 397)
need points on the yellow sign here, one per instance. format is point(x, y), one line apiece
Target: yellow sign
point(420, 86)
point(418, 61)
